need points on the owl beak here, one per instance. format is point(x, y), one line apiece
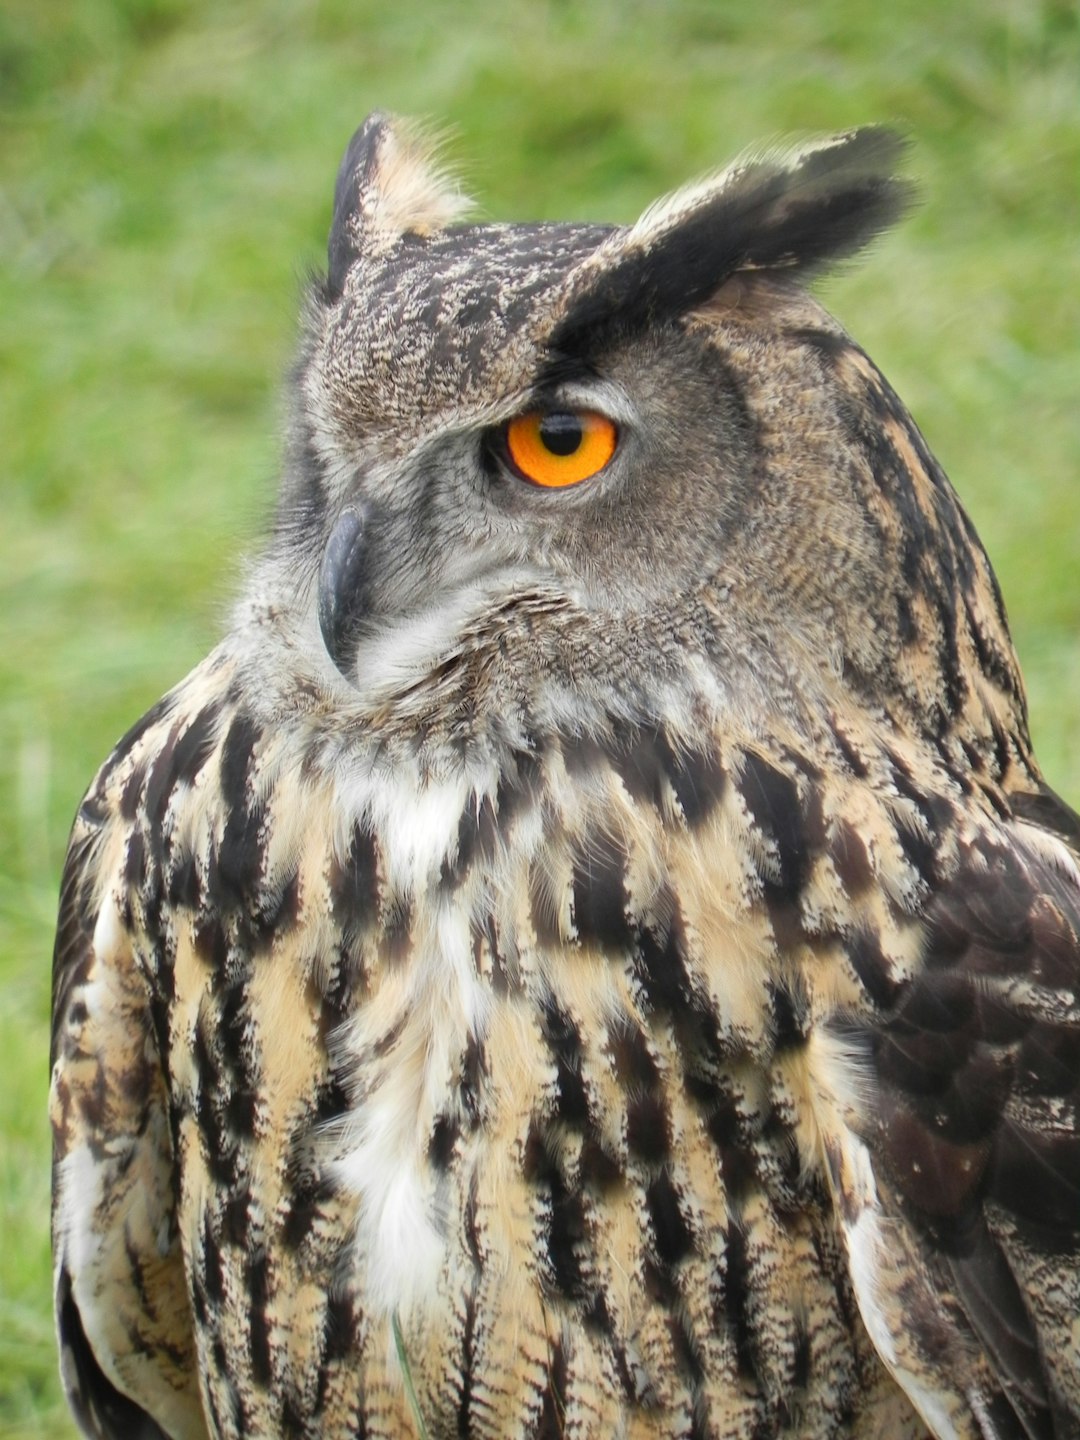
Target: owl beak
point(341, 591)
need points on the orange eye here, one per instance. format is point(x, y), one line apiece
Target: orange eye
point(554, 448)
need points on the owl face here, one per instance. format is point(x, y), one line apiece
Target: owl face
point(651, 434)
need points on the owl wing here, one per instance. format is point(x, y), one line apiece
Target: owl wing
point(957, 1172)
point(123, 1319)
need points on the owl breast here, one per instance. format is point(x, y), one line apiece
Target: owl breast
point(576, 1096)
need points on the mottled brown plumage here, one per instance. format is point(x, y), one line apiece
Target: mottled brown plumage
point(585, 962)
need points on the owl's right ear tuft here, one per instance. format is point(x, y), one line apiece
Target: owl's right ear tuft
point(784, 214)
point(388, 184)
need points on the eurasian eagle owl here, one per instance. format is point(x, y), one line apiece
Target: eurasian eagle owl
point(591, 952)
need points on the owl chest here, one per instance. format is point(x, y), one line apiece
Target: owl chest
point(553, 1173)
point(523, 1075)
point(579, 1057)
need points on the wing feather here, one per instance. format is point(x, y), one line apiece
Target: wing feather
point(969, 1119)
point(124, 1325)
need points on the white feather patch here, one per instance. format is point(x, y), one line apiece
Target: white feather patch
point(412, 191)
point(431, 1006)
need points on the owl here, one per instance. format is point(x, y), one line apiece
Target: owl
point(591, 952)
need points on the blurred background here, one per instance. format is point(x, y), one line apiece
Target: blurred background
point(166, 170)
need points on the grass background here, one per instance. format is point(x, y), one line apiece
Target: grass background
point(166, 168)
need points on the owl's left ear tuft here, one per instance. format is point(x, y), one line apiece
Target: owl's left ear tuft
point(389, 183)
point(788, 214)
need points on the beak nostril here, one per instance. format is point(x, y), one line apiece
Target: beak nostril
point(340, 590)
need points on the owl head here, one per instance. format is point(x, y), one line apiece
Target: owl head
point(578, 468)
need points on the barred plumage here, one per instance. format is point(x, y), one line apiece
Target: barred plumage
point(604, 959)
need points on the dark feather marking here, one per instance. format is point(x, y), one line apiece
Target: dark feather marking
point(354, 883)
point(341, 1327)
point(233, 1028)
point(221, 1370)
point(736, 1291)
point(183, 889)
point(647, 762)
point(852, 759)
point(599, 1169)
point(211, 941)
point(504, 974)
point(851, 859)
point(671, 1232)
point(687, 1355)
point(240, 1111)
point(642, 759)
point(473, 1075)
point(236, 1215)
point(597, 1321)
point(599, 889)
point(236, 865)
point(258, 1287)
point(698, 779)
point(566, 1228)
point(583, 755)
point(565, 1239)
point(136, 868)
point(196, 744)
point(237, 758)
point(658, 1282)
point(729, 1130)
point(936, 815)
point(333, 1100)
point(803, 1356)
point(700, 1429)
point(468, 1362)
point(445, 1132)
point(661, 965)
point(648, 1128)
point(564, 1041)
point(397, 918)
point(160, 782)
point(552, 1420)
point(471, 1226)
point(772, 799)
point(213, 1272)
point(277, 907)
point(477, 837)
point(223, 1159)
point(302, 506)
point(790, 1007)
point(635, 1068)
point(131, 794)
point(294, 1418)
point(309, 1194)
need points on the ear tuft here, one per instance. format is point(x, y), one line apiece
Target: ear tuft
point(389, 183)
point(791, 213)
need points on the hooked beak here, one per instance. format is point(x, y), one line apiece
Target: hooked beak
point(341, 592)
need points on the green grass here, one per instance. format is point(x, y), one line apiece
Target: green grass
point(165, 177)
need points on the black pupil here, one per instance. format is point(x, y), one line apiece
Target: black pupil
point(560, 433)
